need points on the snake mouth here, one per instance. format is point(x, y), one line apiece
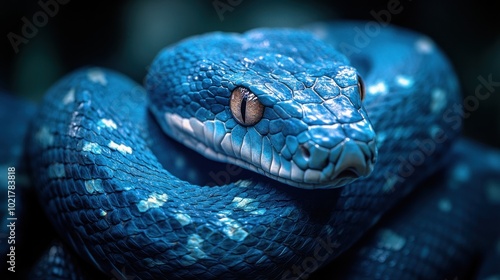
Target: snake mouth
point(349, 173)
point(356, 160)
point(345, 163)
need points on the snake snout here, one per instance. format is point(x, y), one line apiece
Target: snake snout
point(356, 159)
point(335, 166)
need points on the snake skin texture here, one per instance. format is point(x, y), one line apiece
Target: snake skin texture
point(114, 195)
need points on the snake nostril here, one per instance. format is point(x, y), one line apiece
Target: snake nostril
point(305, 152)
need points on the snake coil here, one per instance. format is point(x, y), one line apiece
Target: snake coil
point(298, 120)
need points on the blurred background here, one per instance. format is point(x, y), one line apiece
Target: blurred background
point(43, 40)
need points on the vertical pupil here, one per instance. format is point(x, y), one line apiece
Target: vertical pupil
point(243, 106)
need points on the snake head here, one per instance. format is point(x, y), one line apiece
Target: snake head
point(277, 102)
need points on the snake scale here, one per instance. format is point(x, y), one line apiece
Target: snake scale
point(332, 129)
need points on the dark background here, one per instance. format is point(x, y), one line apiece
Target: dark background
point(126, 35)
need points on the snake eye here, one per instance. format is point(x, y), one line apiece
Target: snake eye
point(245, 106)
point(361, 86)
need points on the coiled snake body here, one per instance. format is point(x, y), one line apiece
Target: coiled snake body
point(285, 104)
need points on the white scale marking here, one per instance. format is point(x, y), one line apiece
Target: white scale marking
point(92, 147)
point(424, 45)
point(94, 186)
point(377, 88)
point(69, 97)
point(404, 81)
point(97, 76)
point(438, 100)
point(232, 228)
point(183, 219)
point(346, 72)
point(243, 183)
point(121, 148)
point(248, 205)
point(260, 211)
point(107, 123)
point(193, 244)
point(153, 201)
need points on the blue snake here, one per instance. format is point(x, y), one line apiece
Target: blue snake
point(283, 148)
